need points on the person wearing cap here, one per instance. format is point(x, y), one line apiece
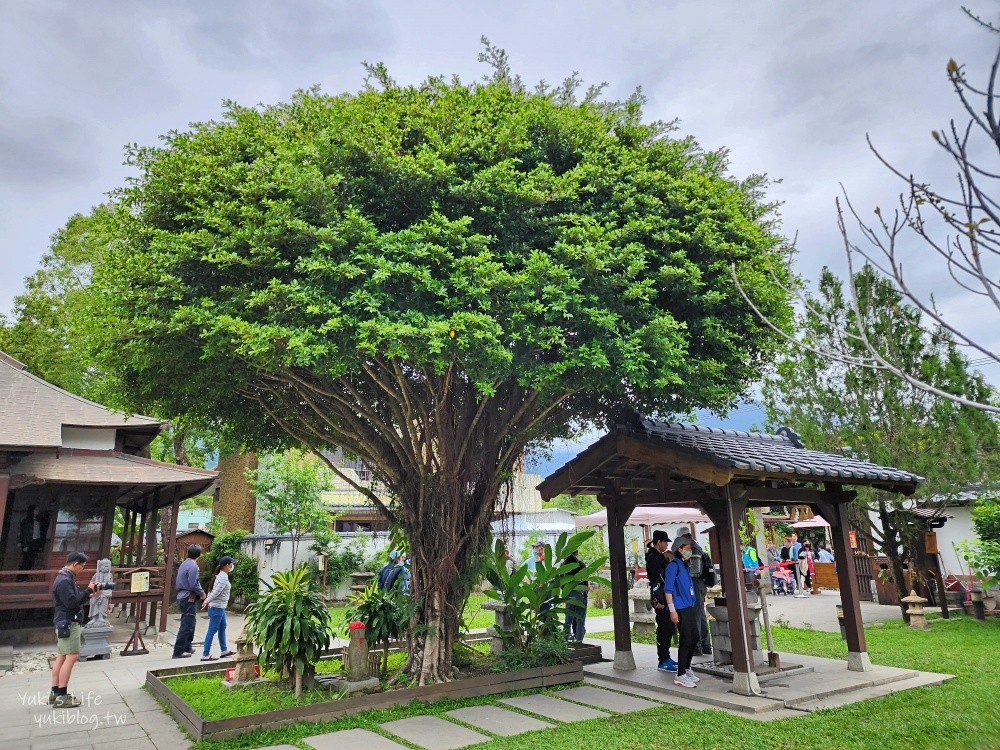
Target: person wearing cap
point(189, 592)
point(678, 589)
point(703, 574)
point(537, 555)
point(216, 603)
point(656, 565)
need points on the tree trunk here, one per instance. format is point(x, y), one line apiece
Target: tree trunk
point(298, 684)
point(446, 540)
point(891, 543)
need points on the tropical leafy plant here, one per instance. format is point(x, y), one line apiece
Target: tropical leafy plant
point(386, 614)
point(291, 626)
point(539, 601)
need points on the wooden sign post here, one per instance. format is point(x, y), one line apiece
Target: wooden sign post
point(139, 579)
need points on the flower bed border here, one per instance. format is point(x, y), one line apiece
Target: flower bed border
point(491, 684)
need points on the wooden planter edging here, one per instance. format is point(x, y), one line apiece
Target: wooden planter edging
point(500, 682)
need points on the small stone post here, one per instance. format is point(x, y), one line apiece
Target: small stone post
point(918, 618)
point(642, 615)
point(357, 653)
point(246, 661)
point(501, 624)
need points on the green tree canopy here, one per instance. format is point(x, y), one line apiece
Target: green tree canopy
point(44, 332)
point(432, 277)
point(289, 488)
point(876, 414)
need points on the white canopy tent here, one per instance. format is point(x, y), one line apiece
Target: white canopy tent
point(646, 515)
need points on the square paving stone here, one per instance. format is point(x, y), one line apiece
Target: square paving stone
point(497, 720)
point(607, 699)
point(281, 747)
point(360, 738)
point(434, 733)
point(553, 708)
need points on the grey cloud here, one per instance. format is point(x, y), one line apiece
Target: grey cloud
point(43, 150)
point(263, 33)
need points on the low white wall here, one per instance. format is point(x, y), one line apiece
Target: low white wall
point(273, 552)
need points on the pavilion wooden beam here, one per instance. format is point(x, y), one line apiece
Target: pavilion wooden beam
point(619, 509)
point(791, 495)
point(579, 469)
point(857, 650)
point(683, 464)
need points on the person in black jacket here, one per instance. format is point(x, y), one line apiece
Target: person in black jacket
point(656, 565)
point(68, 600)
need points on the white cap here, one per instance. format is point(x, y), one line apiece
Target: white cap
point(684, 531)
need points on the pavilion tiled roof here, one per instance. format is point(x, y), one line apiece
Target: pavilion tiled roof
point(761, 452)
point(33, 412)
point(88, 467)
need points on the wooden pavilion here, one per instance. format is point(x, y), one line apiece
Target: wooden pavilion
point(651, 463)
point(66, 466)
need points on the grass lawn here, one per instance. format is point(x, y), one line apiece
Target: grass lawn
point(962, 713)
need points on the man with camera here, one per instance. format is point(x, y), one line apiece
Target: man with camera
point(68, 600)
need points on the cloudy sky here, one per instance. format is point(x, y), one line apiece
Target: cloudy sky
point(790, 88)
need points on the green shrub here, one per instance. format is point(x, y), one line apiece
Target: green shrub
point(986, 519)
point(291, 627)
point(538, 603)
point(386, 614)
point(541, 652)
point(601, 595)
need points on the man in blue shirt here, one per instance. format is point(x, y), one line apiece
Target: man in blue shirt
point(681, 601)
point(189, 593)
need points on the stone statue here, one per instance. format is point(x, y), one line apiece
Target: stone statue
point(99, 602)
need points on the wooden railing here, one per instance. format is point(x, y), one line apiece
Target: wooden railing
point(30, 588)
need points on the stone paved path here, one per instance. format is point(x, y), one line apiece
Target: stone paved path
point(436, 733)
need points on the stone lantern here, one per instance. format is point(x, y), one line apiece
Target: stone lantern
point(918, 618)
point(642, 615)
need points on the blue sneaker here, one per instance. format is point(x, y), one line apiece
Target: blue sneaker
point(668, 665)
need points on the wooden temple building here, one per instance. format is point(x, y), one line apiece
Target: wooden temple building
point(650, 463)
point(67, 467)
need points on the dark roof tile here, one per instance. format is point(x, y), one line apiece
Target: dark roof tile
point(759, 452)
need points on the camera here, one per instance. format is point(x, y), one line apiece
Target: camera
point(102, 586)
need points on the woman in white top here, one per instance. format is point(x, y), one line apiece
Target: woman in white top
point(216, 603)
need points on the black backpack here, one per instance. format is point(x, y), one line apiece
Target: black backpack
point(707, 570)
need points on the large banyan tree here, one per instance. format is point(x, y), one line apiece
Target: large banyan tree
point(435, 278)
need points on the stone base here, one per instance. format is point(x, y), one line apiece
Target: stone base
point(858, 661)
point(624, 661)
point(745, 683)
point(94, 642)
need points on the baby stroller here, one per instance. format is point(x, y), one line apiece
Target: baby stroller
point(782, 581)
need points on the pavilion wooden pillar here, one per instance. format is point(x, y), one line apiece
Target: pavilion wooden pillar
point(4, 489)
point(107, 530)
point(618, 514)
point(170, 555)
point(840, 526)
point(726, 515)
